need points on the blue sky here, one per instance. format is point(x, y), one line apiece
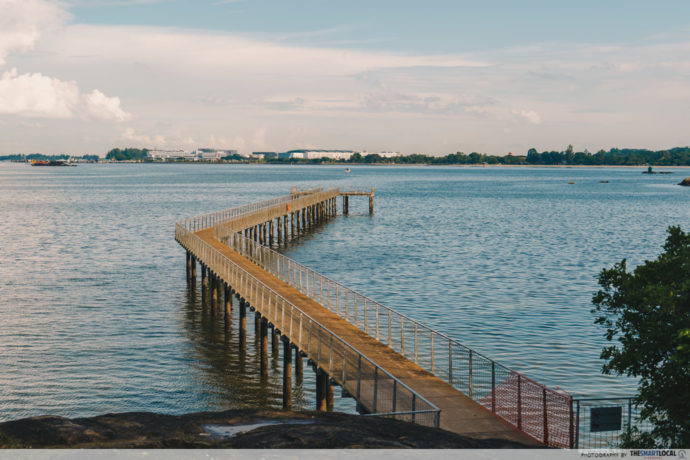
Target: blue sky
point(432, 77)
point(429, 26)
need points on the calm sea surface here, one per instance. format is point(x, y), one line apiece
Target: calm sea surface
point(96, 317)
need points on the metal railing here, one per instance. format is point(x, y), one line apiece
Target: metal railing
point(543, 413)
point(209, 220)
point(376, 389)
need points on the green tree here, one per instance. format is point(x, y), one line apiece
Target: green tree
point(646, 313)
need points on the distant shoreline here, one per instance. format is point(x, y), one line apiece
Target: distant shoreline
point(480, 166)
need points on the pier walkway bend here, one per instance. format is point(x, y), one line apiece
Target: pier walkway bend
point(392, 365)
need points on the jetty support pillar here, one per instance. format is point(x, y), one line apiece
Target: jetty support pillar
point(228, 306)
point(287, 374)
point(243, 325)
point(189, 266)
point(371, 201)
point(299, 366)
point(321, 390)
point(264, 347)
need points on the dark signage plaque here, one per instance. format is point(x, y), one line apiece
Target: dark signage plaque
point(605, 419)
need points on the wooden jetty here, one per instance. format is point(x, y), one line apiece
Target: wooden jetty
point(392, 365)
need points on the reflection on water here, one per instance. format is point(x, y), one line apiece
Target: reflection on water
point(232, 367)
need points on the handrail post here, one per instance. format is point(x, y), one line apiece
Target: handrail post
point(546, 419)
point(471, 379)
point(395, 394)
point(415, 345)
point(493, 386)
point(376, 385)
point(359, 376)
point(571, 438)
point(577, 426)
point(450, 361)
point(402, 334)
point(432, 352)
point(519, 402)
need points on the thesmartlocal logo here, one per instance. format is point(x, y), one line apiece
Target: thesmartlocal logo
point(658, 453)
point(647, 454)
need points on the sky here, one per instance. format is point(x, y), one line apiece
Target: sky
point(434, 77)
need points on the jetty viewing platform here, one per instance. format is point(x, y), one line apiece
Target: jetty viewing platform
point(389, 363)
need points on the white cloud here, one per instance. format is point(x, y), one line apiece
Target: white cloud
point(157, 140)
point(38, 96)
point(529, 115)
point(23, 21)
point(102, 107)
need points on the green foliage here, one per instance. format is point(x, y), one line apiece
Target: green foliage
point(127, 154)
point(647, 318)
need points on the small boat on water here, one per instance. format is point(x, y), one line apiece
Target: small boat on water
point(347, 170)
point(52, 163)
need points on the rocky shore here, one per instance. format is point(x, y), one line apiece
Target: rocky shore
point(238, 429)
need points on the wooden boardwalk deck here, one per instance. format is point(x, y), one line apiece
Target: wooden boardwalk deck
point(459, 413)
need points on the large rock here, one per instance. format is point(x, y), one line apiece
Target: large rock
point(254, 429)
point(685, 182)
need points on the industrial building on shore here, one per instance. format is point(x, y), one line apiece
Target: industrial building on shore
point(211, 154)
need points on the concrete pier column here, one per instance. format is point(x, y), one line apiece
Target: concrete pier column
point(279, 229)
point(264, 347)
point(329, 395)
point(219, 293)
point(214, 293)
point(189, 266)
point(304, 217)
point(257, 324)
point(228, 306)
point(275, 343)
point(193, 269)
point(285, 228)
point(287, 375)
point(292, 225)
point(321, 390)
point(299, 366)
point(243, 325)
point(346, 204)
point(204, 283)
point(371, 201)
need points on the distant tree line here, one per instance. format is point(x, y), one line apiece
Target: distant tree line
point(679, 156)
point(126, 154)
